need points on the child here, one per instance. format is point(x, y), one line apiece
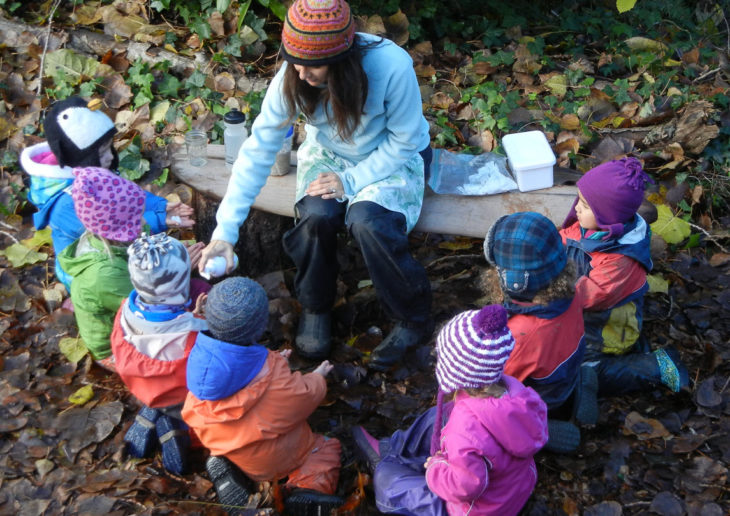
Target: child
point(79, 137)
point(546, 320)
point(481, 462)
point(247, 407)
point(110, 208)
point(610, 243)
point(153, 334)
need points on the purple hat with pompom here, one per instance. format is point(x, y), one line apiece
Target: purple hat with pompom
point(107, 205)
point(472, 349)
point(614, 191)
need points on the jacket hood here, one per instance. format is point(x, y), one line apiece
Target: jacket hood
point(94, 252)
point(517, 420)
point(30, 160)
point(217, 369)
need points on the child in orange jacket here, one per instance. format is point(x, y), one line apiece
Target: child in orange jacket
point(247, 407)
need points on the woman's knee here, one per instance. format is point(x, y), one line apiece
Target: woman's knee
point(367, 219)
point(318, 211)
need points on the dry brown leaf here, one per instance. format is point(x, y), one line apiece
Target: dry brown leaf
point(705, 221)
point(484, 140)
point(6, 128)
point(224, 83)
point(132, 26)
point(87, 14)
point(397, 27)
point(374, 25)
point(423, 49)
point(643, 428)
point(570, 122)
point(691, 57)
point(567, 147)
point(193, 41)
point(582, 64)
point(118, 93)
point(441, 100)
point(525, 61)
point(217, 24)
point(629, 109)
point(137, 120)
point(719, 259)
point(523, 79)
point(425, 71)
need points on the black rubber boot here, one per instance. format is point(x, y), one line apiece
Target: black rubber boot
point(231, 485)
point(307, 502)
point(141, 437)
point(394, 346)
point(367, 447)
point(563, 437)
point(314, 335)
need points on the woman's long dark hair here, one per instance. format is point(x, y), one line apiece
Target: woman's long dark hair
point(345, 92)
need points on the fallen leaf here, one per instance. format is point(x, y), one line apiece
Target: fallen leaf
point(643, 428)
point(43, 467)
point(719, 259)
point(224, 83)
point(666, 504)
point(40, 238)
point(73, 349)
point(118, 93)
point(641, 44)
point(657, 284)
point(441, 100)
point(6, 128)
point(82, 396)
point(558, 85)
point(570, 122)
point(397, 26)
point(19, 255)
point(670, 227)
point(82, 426)
point(697, 192)
point(157, 113)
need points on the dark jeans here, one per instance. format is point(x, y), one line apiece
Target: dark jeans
point(400, 281)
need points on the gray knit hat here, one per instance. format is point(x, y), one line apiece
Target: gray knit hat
point(237, 310)
point(159, 267)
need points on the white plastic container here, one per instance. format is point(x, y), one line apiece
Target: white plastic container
point(531, 159)
point(234, 135)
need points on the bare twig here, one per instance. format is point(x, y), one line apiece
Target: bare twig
point(11, 237)
point(708, 235)
point(55, 5)
point(706, 74)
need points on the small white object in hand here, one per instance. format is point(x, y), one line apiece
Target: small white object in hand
point(216, 267)
point(175, 219)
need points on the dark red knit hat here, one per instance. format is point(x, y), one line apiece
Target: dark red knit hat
point(317, 32)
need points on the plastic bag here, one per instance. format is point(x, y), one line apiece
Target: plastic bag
point(466, 174)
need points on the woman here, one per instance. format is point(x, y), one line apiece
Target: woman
point(361, 166)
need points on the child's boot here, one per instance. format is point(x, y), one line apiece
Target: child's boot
point(174, 439)
point(633, 372)
point(231, 485)
point(308, 502)
point(367, 446)
point(585, 404)
point(672, 371)
point(141, 436)
point(563, 436)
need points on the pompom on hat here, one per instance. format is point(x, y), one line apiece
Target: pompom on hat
point(614, 191)
point(237, 311)
point(75, 133)
point(159, 268)
point(527, 251)
point(317, 32)
point(107, 205)
point(471, 349)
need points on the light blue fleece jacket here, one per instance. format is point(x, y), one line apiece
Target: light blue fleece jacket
point(391, 131)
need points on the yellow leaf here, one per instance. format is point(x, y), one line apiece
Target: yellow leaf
point(670, 227)
point(657, 284)
point(458, 244)
point(19, 255)
point(157, 113)
point(674, 92)
point(39, 239)
point(73, 349)
point(6, 128)
point(671, 63)
point(558, 85)
point(82, 396)
point(640, 44)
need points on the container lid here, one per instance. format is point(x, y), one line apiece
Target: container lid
point(528, 150)
point(234, 116)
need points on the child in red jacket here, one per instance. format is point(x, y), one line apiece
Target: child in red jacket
point(250, 410)
point(154, 331)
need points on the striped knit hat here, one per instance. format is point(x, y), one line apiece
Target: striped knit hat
point(317, 32)
point(159, 268)
point(472, 349)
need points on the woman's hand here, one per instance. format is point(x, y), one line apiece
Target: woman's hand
point(217, 248)
point(327, 185)
point(195, 251)
point(179, 215)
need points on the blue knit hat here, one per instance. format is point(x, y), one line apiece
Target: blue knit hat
point(237, 311)
point(528, 252)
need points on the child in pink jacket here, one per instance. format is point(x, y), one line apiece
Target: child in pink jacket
point(481, 461)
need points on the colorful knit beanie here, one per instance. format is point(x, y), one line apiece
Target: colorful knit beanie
point(317, 32)
point(108, 205)
point(237, 311)
point(159, 267)
point(471, 349)
point(75, 133)
point(528, 252)
point(614, 191)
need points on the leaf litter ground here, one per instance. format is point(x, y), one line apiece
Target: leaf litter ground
point(652, 452)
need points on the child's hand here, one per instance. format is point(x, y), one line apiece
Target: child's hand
point(179, 215)
point(286, 353)
point(324, 368)
point(196, 252)
point(436, 456)
point(200, 305)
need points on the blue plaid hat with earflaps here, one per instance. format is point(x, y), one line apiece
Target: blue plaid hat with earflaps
point(527, 251)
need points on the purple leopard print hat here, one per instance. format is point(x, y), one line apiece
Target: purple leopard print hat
point(107, 205)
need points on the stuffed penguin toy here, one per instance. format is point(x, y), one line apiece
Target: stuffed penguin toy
point(75, 133)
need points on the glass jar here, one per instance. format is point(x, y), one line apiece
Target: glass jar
point(282, 165)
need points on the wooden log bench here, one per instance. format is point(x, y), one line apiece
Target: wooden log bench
point(469, 216)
